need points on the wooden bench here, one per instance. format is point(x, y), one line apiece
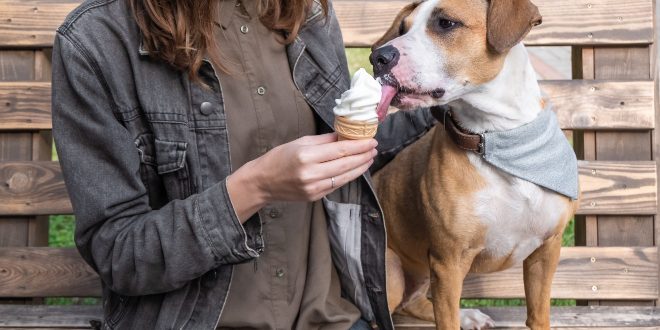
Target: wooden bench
point(609, 108)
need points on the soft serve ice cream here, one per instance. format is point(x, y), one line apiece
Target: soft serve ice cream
point(359, 103)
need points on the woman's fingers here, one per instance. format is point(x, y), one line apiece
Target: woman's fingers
point(340, 166)
point(313, 140)
point(336, 150)
point(343, 179)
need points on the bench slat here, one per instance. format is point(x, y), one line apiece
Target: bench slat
point(52, 317)
point(31, 23)
point(593, 317)
point(591, 105)
point(25, 106)
point(565, 22)
point(35, 317)
point(617, 273)
point(37, 188)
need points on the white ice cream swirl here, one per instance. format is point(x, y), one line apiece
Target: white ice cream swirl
point(359, 103)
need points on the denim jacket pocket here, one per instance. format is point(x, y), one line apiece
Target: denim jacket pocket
point(171, 167)
point(163, 169)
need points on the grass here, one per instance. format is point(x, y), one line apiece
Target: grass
point(62, 226)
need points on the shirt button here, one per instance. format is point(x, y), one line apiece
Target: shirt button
point(245, 29)
point(206, 108)
point(261, 90)
point(275, 213)
point(279, 273)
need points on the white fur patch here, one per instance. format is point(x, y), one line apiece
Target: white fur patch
point(519, 215)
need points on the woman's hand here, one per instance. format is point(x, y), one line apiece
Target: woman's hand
point(302, 170)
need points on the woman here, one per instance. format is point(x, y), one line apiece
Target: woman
point(195, 139)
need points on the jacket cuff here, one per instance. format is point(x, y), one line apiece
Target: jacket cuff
point(231, 241)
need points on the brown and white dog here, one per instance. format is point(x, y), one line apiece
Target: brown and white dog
point(447, 209)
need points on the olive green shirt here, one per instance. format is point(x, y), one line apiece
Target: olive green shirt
point(293, 284)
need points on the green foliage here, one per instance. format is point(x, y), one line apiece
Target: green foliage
point(358, 58)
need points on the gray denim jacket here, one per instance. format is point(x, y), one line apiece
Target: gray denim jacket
point(145, 166)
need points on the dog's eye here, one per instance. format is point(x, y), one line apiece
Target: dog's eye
point(446, 24)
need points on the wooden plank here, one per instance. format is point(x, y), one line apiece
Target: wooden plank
point(615, 273)
point(25, 105)
point(565, 22)
point(55, 317)
point(35, 188)
point(561, 317)
point(627, 63)
point(31, 23)
point(583, 273)
point(16, 65)
point(618, 188)
point(16, 146)
point(592, 105)
point(46, 272)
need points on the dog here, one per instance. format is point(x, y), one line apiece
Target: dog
point(449, 212)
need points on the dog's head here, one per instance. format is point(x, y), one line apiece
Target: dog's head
point(438, 50)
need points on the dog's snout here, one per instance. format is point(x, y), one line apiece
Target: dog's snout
point(384, 59)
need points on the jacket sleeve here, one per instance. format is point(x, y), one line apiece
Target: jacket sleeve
point(400, 130)
point(136, 250)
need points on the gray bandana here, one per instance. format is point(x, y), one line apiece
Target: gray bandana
point(537, 152)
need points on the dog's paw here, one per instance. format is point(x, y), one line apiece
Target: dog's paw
point(474, 319)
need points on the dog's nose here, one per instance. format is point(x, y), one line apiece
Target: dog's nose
point(384, 59)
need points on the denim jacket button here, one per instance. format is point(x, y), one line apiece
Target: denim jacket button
point(206, 108)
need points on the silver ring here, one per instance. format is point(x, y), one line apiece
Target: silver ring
point(333, 181)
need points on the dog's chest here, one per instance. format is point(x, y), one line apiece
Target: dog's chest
point(518, 215)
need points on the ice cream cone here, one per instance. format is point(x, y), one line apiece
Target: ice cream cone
point(355, 130)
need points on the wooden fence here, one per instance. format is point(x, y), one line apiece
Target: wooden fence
point(610, 106)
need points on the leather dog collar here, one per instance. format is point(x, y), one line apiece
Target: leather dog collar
point(463, 138)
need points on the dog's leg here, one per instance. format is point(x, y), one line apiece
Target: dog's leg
point(447, 275)
point(417, 303)
point(396, 282)
point(539, 268)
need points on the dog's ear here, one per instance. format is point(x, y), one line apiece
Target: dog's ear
point(509, 22)
point(395, 29)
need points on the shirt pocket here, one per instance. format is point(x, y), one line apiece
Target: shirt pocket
point(163, 169)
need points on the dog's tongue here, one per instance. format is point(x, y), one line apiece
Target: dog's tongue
point(387, 94)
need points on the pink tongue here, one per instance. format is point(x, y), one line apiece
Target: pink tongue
point(387, 94)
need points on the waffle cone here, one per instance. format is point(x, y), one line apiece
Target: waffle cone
point(355, 130)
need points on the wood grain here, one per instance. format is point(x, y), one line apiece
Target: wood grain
point(25, 106)
point(618, 188)
point(617, 273)
point(56, 317)
point(583, 273)
point(32, 188)
point(46, 272)
point(37, 188)
point(592, 105)
point(31, 23)
point(561, 317)
point(48, 316)
point(565, 22)
point(624, 63)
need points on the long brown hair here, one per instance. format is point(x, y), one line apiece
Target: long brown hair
point(181, 32)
